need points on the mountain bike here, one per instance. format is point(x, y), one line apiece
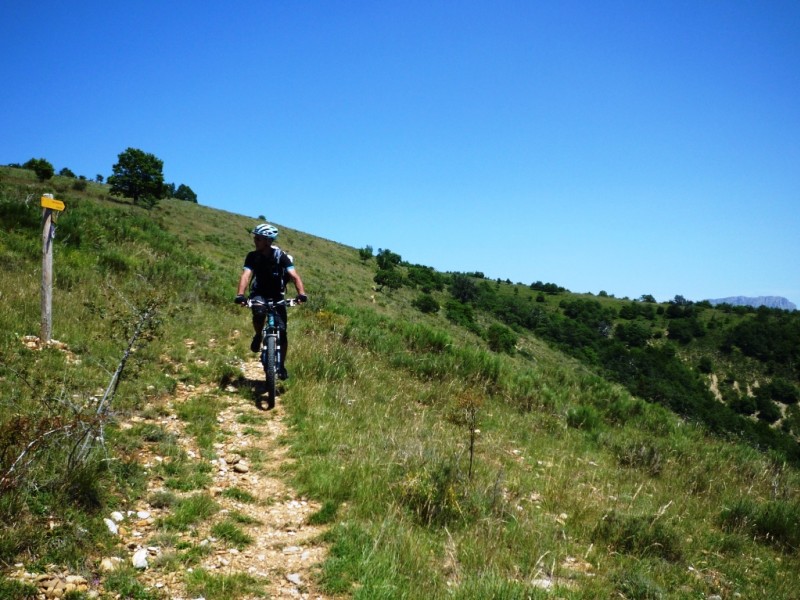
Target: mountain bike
point(271, 356)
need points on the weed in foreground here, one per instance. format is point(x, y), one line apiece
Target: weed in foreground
point(201, 583)
point(238, 494)
point(124, 582)
point(230, 532)
point(189, 511)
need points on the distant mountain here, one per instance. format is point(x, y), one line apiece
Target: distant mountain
point(768, 301)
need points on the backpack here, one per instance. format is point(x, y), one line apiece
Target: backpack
point(284, 273)
point(278, 272)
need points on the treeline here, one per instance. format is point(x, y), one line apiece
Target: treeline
point(637, 344)
point(136, 174)
point(625, 346)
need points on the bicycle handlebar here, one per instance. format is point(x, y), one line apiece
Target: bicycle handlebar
point(251, 302)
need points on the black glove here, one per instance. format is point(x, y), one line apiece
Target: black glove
point(301, 298)
point(240, 299)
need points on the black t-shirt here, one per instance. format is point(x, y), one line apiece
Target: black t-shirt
point(268, 271)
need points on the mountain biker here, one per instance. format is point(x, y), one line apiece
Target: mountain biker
point(271, 267)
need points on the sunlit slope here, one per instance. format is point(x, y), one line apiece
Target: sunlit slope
point(445, 469)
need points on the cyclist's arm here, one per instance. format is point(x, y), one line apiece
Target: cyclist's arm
point(298, 282)
point(244, 281)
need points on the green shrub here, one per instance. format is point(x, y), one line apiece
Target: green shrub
point(583, 417)
point(776, 523)
point(460, 313)
point(642, 455)
point(189, 511)
point(640, 536)
point(633, 583)
point(426, 303)
point(435, 493)
point(231, 533)
point(501, 338)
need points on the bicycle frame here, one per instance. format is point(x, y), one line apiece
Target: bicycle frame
point(271, 351)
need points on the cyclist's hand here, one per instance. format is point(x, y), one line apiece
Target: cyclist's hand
point(240, 299)
point(301, 298)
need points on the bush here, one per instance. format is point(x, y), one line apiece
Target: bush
point(639, 536)
point(767, 410)
point(776, 523)
point(633, 334)
point(781, 390)
point(391, 279)
point(501, 338)
point(43, 169)
point(460, 314)
point(435, 493)
point(743, 404)
point(426, 303)
point(583, 417)
point(184, 192)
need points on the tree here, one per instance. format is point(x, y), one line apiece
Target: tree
point(387, 260)
point(426, 303)
point(65, 172)
point(43, 169)
point(501, 338)
point(634, 335)
point(365, 253)
point(184, 192)
point(138, 175)
point(464, 289)
point(425, 278)
point(389, 278)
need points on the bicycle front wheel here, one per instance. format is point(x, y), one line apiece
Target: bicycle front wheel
point(270, 368)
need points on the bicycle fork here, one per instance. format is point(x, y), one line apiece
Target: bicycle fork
point(270, 331)
point(265, 349)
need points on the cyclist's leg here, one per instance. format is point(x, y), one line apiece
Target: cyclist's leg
point(258, 325)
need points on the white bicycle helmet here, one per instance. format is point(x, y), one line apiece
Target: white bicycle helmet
point(266, 230)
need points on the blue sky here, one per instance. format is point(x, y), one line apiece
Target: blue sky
point(626, 146)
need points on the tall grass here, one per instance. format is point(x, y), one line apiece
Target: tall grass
point(567, 467)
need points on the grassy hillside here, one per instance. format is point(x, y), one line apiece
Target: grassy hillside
point(444, 468)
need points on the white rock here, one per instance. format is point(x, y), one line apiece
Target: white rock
point(542, 584)
point(117, 516)
point(294, 578)
point(109, 564)
point(139, 559)
point(112, 527)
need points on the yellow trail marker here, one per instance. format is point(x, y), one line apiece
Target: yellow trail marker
point(51, 203)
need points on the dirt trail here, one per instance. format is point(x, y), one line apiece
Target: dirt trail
point(285, 549)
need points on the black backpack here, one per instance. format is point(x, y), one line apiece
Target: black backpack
point(277, 273)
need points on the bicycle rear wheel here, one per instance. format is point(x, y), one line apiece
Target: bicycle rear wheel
point(270, 368)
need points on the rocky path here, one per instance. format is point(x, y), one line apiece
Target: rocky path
point(285, 550)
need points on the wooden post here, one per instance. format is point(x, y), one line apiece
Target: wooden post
point(48, 233)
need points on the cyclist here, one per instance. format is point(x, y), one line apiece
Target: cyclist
point(267, 268)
